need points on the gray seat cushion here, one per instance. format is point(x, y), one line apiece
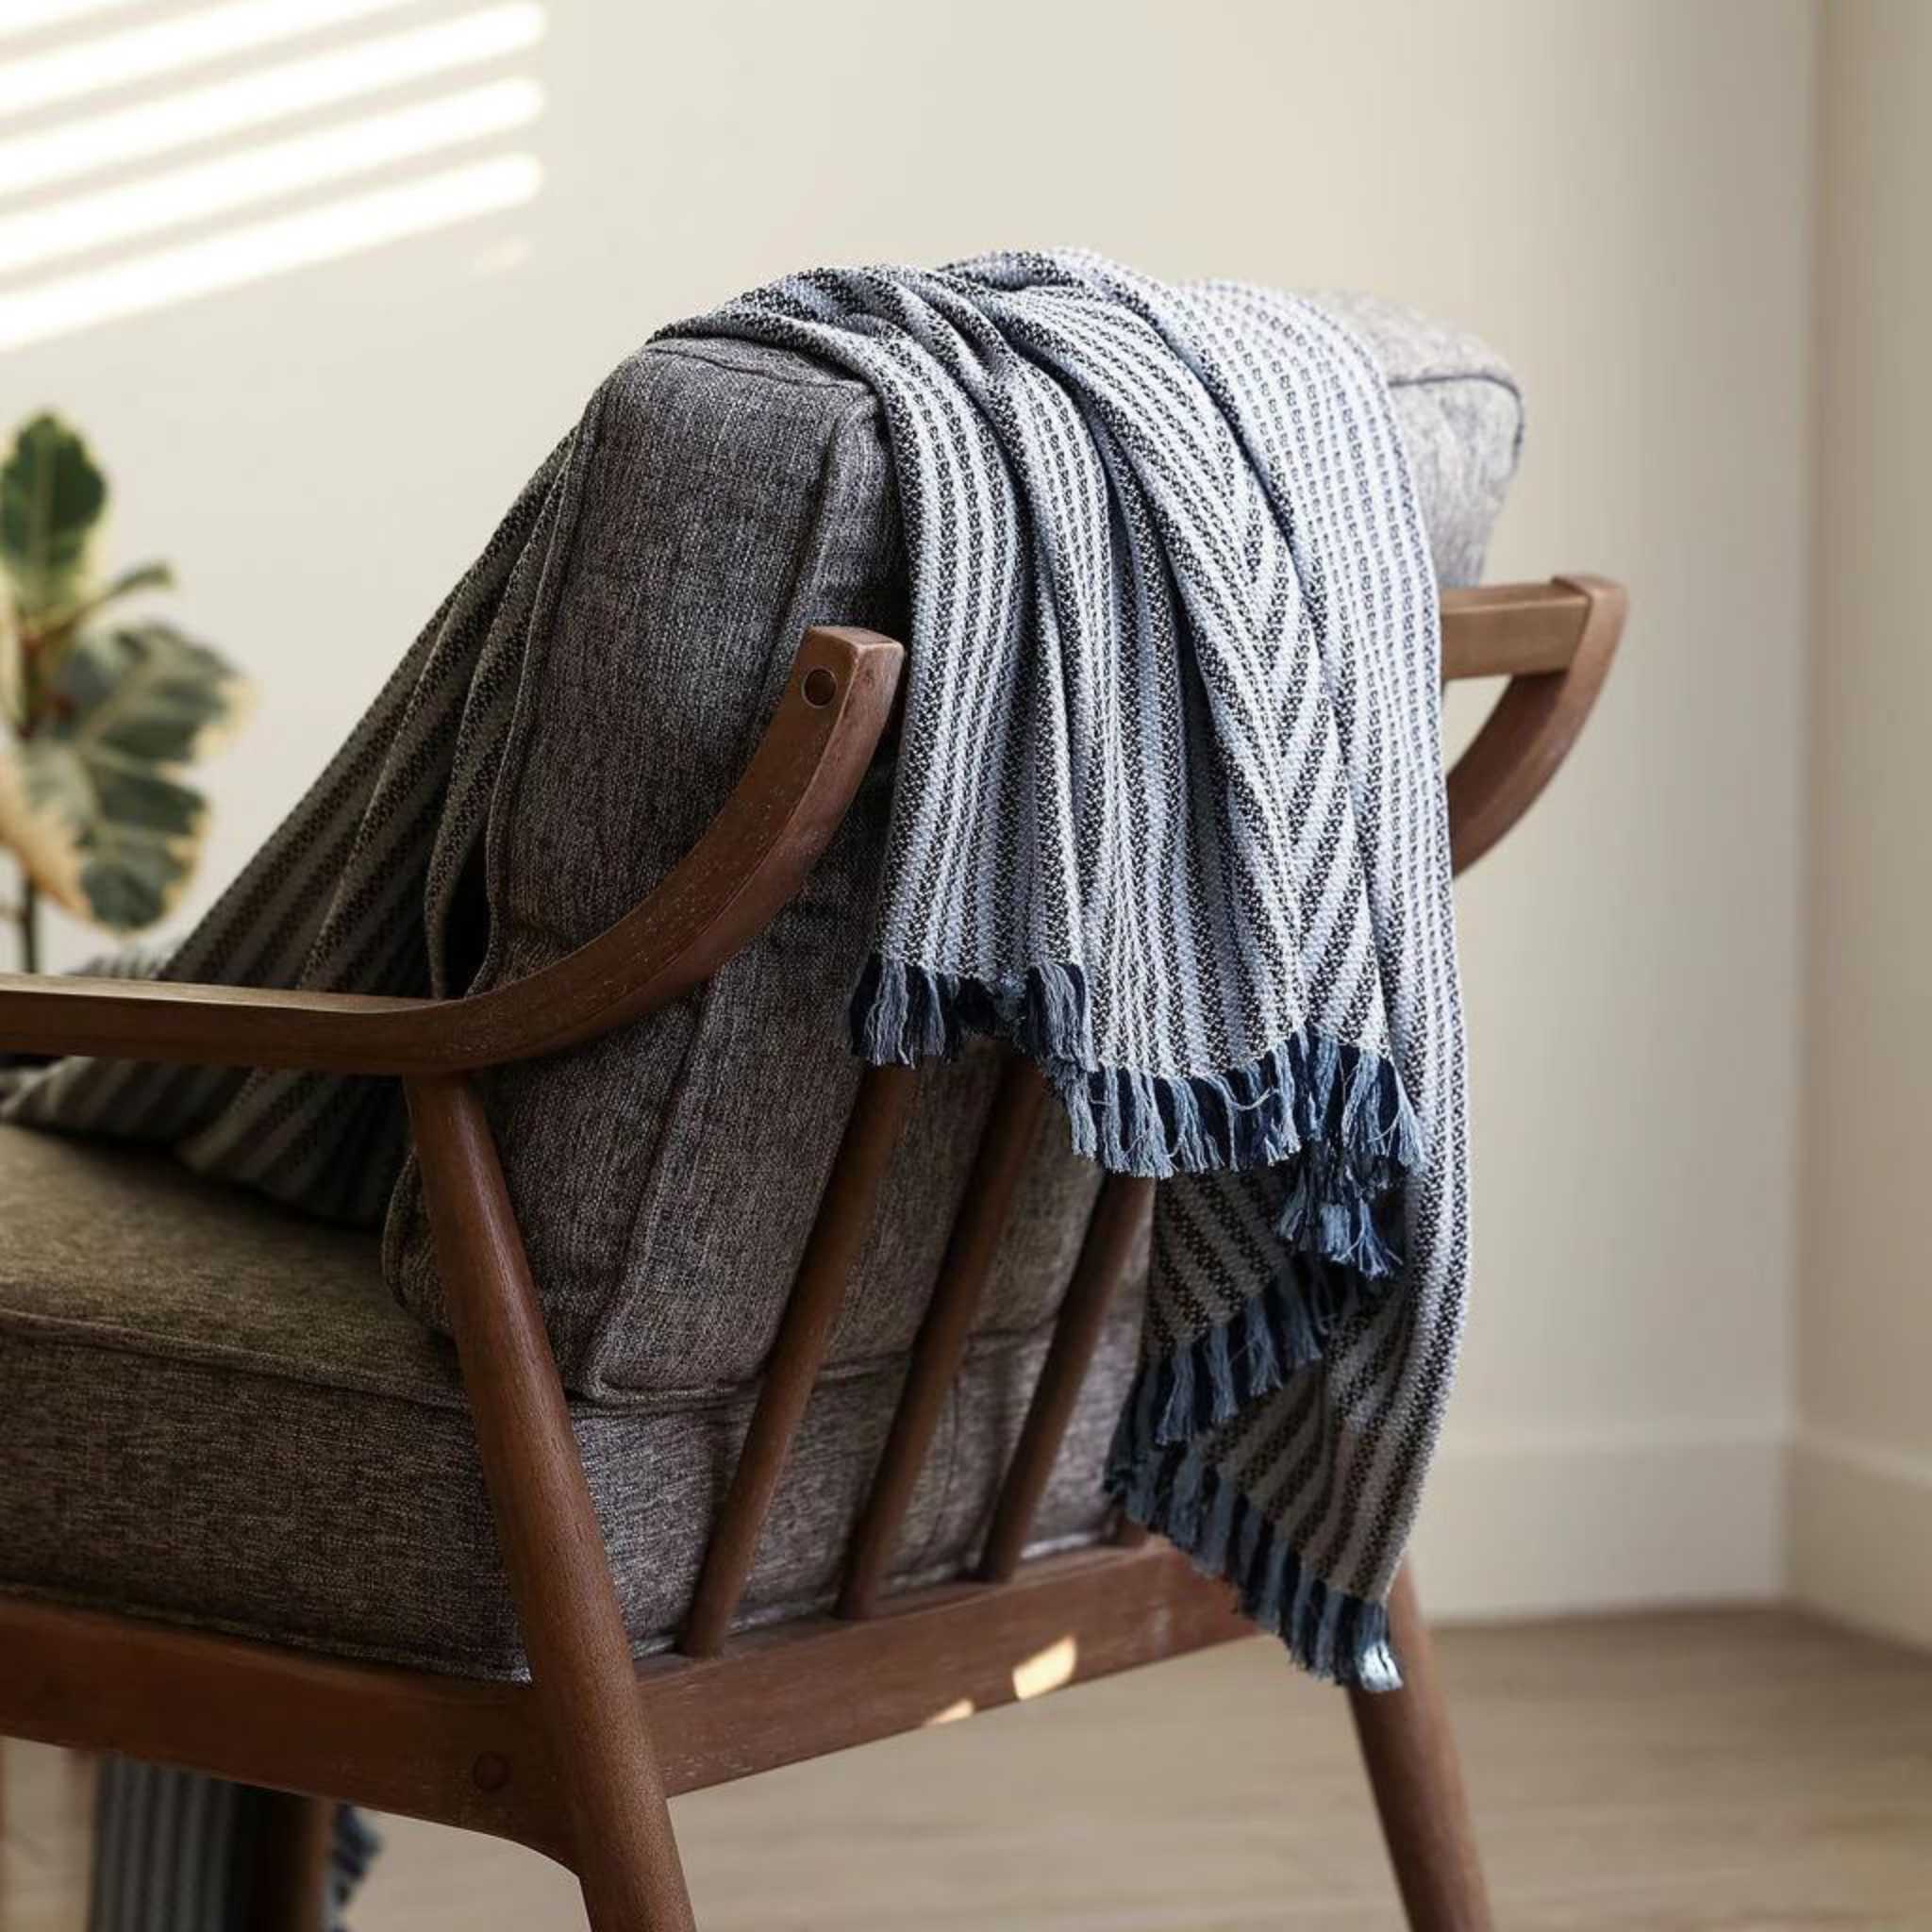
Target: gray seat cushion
point(211, 1413)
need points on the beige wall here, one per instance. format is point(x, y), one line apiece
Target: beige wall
point(1862, 1475)
point(1618, 195)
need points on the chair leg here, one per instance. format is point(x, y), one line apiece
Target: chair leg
point(1409, 1750)
point(552, 1547)
point(289, 1884)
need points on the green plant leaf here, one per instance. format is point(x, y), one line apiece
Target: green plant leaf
point(92, 803)
point(148, 692)
point(12, 670)
point(51, 497)
point(126, 583)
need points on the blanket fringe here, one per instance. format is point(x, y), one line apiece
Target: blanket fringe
point(1335, 1112)
point(1176, 1493)
point(1286, 1326)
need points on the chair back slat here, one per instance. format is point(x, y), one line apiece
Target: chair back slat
point(846, 1211)
point(999, 1167)
point(1119, 1217)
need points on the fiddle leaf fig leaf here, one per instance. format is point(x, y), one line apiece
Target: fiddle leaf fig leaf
point(94, 802)
point(12, 670)
point(148, 692)
point(37, 831)
point(126, 583)
point(51, 498)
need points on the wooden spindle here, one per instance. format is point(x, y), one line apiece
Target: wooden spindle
point(845, 1216)
point(999, 1168)
point(1118, 1218)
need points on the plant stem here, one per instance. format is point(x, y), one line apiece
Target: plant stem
point(29, 914)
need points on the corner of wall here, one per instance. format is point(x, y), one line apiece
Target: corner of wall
point(1858, 1515)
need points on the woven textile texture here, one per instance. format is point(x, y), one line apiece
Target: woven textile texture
point(1170, 819)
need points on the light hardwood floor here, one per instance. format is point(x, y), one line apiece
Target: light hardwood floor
point(1748, 1772)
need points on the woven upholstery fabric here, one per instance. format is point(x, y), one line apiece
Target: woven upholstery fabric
point(210, 1413)
point(737, 495)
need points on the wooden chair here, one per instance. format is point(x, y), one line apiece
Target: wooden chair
point(579, 1760)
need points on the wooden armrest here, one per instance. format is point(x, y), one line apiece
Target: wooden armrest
point(1555, 642)
point(752, 859)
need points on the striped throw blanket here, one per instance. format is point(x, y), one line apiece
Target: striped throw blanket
point(1168, 816)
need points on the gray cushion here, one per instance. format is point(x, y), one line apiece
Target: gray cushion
point(737, 495)
point(211, 1412)
point(1461, 416)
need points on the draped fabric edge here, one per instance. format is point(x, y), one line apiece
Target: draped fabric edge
point(1336, 1116)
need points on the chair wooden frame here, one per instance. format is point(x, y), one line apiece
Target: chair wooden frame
point(579, 1761)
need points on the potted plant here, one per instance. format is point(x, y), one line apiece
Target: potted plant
point(103, 714)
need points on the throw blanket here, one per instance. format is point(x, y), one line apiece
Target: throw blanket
point(1168, 817)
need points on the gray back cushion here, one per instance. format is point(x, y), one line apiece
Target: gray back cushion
point(666, 1176)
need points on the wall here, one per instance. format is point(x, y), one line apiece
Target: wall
point(1619, 197)
point(1861, 1497)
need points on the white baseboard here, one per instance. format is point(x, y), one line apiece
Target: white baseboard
point(1538, 1525)
point(1861, 1535)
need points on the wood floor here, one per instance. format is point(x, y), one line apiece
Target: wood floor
point(1703, 1772)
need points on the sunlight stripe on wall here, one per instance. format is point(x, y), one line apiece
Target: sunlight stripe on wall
point(27, 16)
point(240, 255)
point(127, 134)
point(256, 174)
point(161, 46)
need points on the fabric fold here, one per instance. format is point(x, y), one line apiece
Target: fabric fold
point(1169, 819)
